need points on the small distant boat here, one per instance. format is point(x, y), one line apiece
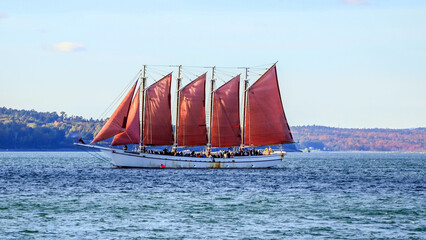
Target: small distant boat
point(144, 117)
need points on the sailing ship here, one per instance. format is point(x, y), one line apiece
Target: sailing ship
point(144, 117)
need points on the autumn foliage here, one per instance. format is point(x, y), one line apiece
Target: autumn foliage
point(354, 139)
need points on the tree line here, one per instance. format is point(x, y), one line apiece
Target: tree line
point(29, 129)
point(355, 139)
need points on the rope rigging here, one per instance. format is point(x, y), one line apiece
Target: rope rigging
point(113, 103)
point(189, 72)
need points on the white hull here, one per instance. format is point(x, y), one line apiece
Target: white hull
point(127, 159)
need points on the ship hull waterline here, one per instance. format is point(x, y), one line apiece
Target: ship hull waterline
point(129, 159)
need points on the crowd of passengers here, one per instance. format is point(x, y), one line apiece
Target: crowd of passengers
point(203, 154)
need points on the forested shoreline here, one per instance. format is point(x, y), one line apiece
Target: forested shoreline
point(356, 139)
point(29, 129)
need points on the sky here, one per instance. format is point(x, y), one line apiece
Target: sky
point(341, 63)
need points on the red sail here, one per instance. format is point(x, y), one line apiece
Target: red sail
point(158, 117)
point(226, 130)
point(266, 123)
point(117, 121)
point(132, 133)
point(192, 115)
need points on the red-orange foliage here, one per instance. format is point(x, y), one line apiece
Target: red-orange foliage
point(353, 139)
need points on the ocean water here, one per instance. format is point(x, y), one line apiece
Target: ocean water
point(327, 195)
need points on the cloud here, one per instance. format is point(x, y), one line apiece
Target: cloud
point(355, 2)
point(68, 47)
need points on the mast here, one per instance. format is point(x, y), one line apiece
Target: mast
point(142, 103)
point(244, 108)
point(209, 143)
point(178, 80)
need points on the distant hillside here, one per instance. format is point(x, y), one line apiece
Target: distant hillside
point(354, 139)
point(29, 129)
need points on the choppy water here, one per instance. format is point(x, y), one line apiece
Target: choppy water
point(311, 195)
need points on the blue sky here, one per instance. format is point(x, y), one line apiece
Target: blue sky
point(343, 63)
